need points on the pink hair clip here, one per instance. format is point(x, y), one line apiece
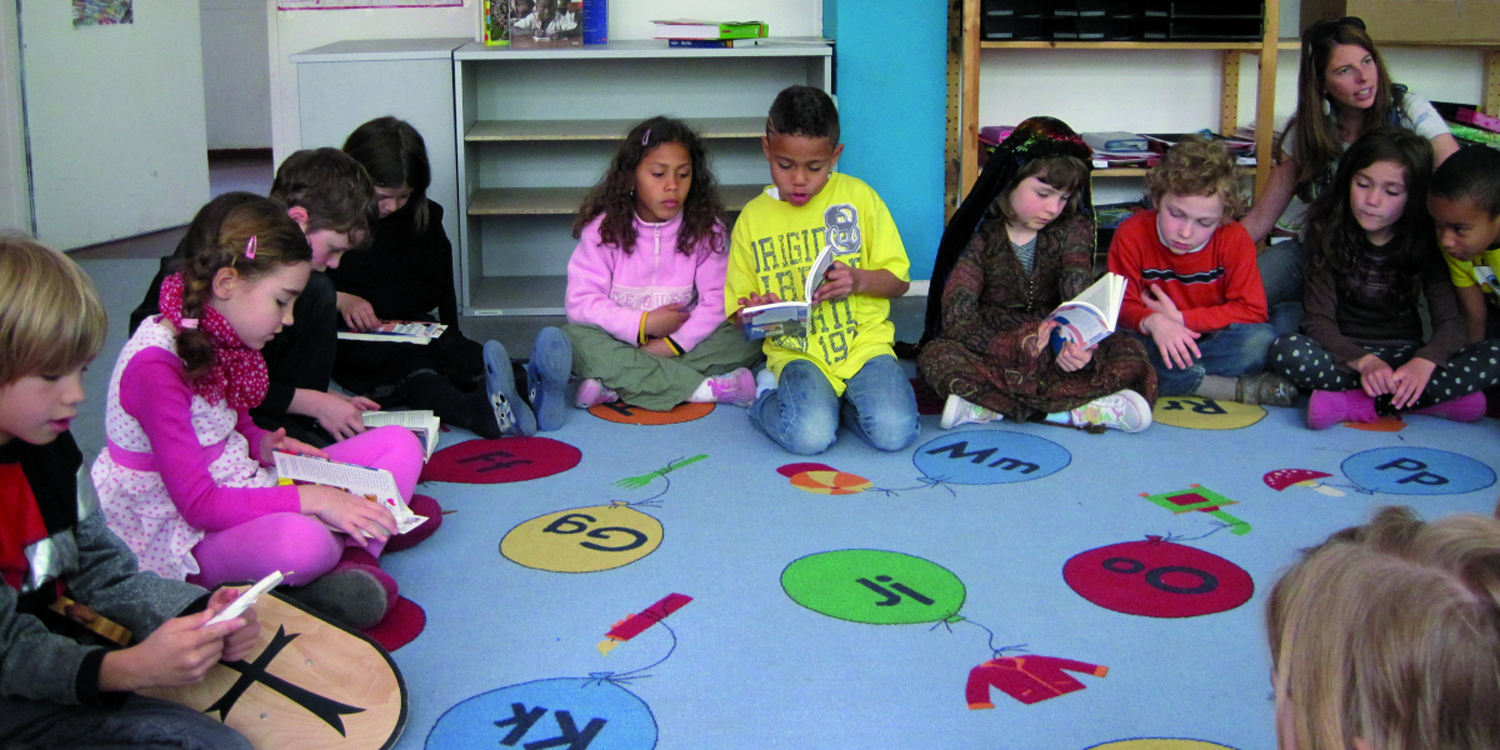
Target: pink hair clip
point(189, 324)
point(250, 248)
point(645, 139)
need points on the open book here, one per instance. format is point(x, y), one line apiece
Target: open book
point(420, 421)
point(399, 331)
point(377, 485)
point(1089, 317)
point(788, 318)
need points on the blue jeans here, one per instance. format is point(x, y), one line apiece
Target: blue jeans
point(1281, 272)
point(803, 413)
point(1239, 349)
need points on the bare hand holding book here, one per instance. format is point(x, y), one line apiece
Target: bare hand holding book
point(1091, 316)
point(788, 317)
point(376, 485)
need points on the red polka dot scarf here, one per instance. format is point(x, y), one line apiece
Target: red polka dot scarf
point(238, 374)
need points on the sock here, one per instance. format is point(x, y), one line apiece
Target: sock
point(1218, 388)
point(765, 380)
point(1060, 417)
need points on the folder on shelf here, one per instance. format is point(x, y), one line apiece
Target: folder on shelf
point(1115, 141)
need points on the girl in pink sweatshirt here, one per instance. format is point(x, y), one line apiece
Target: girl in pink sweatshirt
point(646, 283)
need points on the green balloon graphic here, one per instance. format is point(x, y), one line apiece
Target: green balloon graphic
point(874, 586)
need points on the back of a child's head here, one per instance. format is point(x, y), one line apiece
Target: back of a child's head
point(244, 233)
point(51, 318)
point(1471, 174)
point(1390, 633)
point(395, 155)
point(1198, 166)
point(614, 195)
point(805, 111)
point(333, 188)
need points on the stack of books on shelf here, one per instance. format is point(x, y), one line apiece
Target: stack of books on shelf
point(1118, 148)
point(687, 32)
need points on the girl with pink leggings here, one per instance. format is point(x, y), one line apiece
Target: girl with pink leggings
point(187, 478)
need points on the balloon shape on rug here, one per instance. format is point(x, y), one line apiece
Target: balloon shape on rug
point(822, 479)
point(1410, 470)
point(583, 540)
point(1158, 578)
point(874, 586)
point(516, 459)
point(624, 413)
point(1160, 743)
point(989, 457)
point(561, 712)
point(1198, 413)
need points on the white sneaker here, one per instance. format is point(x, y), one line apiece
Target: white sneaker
point(1126, 411)
point(957, 411)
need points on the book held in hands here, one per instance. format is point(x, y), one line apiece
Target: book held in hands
point(376, 485)
point(1091, 316)
point(422, 422)
point(788, 318)
point(399, 332)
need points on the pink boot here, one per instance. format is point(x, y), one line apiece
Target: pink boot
point(1470, 408)
point(1328, 408)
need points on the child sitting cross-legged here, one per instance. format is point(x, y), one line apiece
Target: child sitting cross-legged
point(1371, 261)
point(1193, 291)
point(843, 367)
point(646, 283)
point(1033, 251)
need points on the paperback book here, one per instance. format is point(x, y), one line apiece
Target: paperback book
point(1091, 316)
point(398, 331)
point(788, 318)
point(422, 422)
point(688, 28)
point(375, 485)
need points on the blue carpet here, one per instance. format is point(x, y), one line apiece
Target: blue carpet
point(985, 519)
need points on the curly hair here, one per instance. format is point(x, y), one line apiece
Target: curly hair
point(217, 245)
point(614, 195)
point(51, 318)
point(1198, 166)
point(1334, 239)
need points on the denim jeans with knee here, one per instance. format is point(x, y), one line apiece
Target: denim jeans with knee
point(803, 413)
point(1232, 351)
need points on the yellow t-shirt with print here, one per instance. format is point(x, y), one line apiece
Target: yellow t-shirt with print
point(773, 245)
point(1481, 271)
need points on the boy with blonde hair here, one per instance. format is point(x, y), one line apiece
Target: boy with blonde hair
point(1193, 291)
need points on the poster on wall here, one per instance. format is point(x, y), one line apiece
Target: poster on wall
point(102, 12)
point(344, 4)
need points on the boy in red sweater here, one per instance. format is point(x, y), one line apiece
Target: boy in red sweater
point(1194, 292)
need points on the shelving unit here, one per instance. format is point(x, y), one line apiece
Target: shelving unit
point(963, 144)
point(536, 128)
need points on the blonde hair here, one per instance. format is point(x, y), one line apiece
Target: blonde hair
point(1198, 166)
point(51, 319)
point(1390, 633)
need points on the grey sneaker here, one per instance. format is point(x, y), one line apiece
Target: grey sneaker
point(1266, 388)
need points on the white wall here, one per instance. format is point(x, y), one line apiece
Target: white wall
point(236, 77)
point(298, 31)
point(15, 186)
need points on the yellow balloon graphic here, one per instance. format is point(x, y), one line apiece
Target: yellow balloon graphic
point(1161, 744)
point(583, 540)
point(1199, 413)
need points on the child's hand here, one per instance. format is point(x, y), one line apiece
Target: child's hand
point(1175, 341)
point(752, 301)
point(841, 280)
point(1158, 302)
point(1072, 357)
point(1043, 337)
point(177, 653)
point(361, 403)
point(240, 641)
point(1375, 376)
point(358, 517)
point(278, 441)
point(664, 321)
point(1411, 380)
point(338, 414)
point(358, 314)
point(659, 347)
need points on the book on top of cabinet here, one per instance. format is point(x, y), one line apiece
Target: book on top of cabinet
point(688, 28)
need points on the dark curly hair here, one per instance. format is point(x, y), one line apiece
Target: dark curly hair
point(1335, 240)
point(614, 195)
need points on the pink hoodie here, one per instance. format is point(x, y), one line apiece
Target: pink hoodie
point(610, 289)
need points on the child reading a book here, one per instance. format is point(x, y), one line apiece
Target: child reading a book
point(1371, 261)
point(1465, 204)
point(58, 686)
point(407, 274)
point(991, 356)
point(646, 282)
point(842, 366)
point(1193, 290)
point(184, 479)
point(330, 196)
point(1386, 636)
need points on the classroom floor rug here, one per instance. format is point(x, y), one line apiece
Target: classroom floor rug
point(641, 582)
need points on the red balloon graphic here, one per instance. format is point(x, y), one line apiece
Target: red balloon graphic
point(1158, 578)
point(515, 459)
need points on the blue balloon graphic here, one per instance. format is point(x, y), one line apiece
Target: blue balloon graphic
point(585, 712)
point(1416, 471)
point(990, 457)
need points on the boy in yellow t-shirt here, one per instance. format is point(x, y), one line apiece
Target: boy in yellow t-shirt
point(843, 365)
point(1464, 201)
